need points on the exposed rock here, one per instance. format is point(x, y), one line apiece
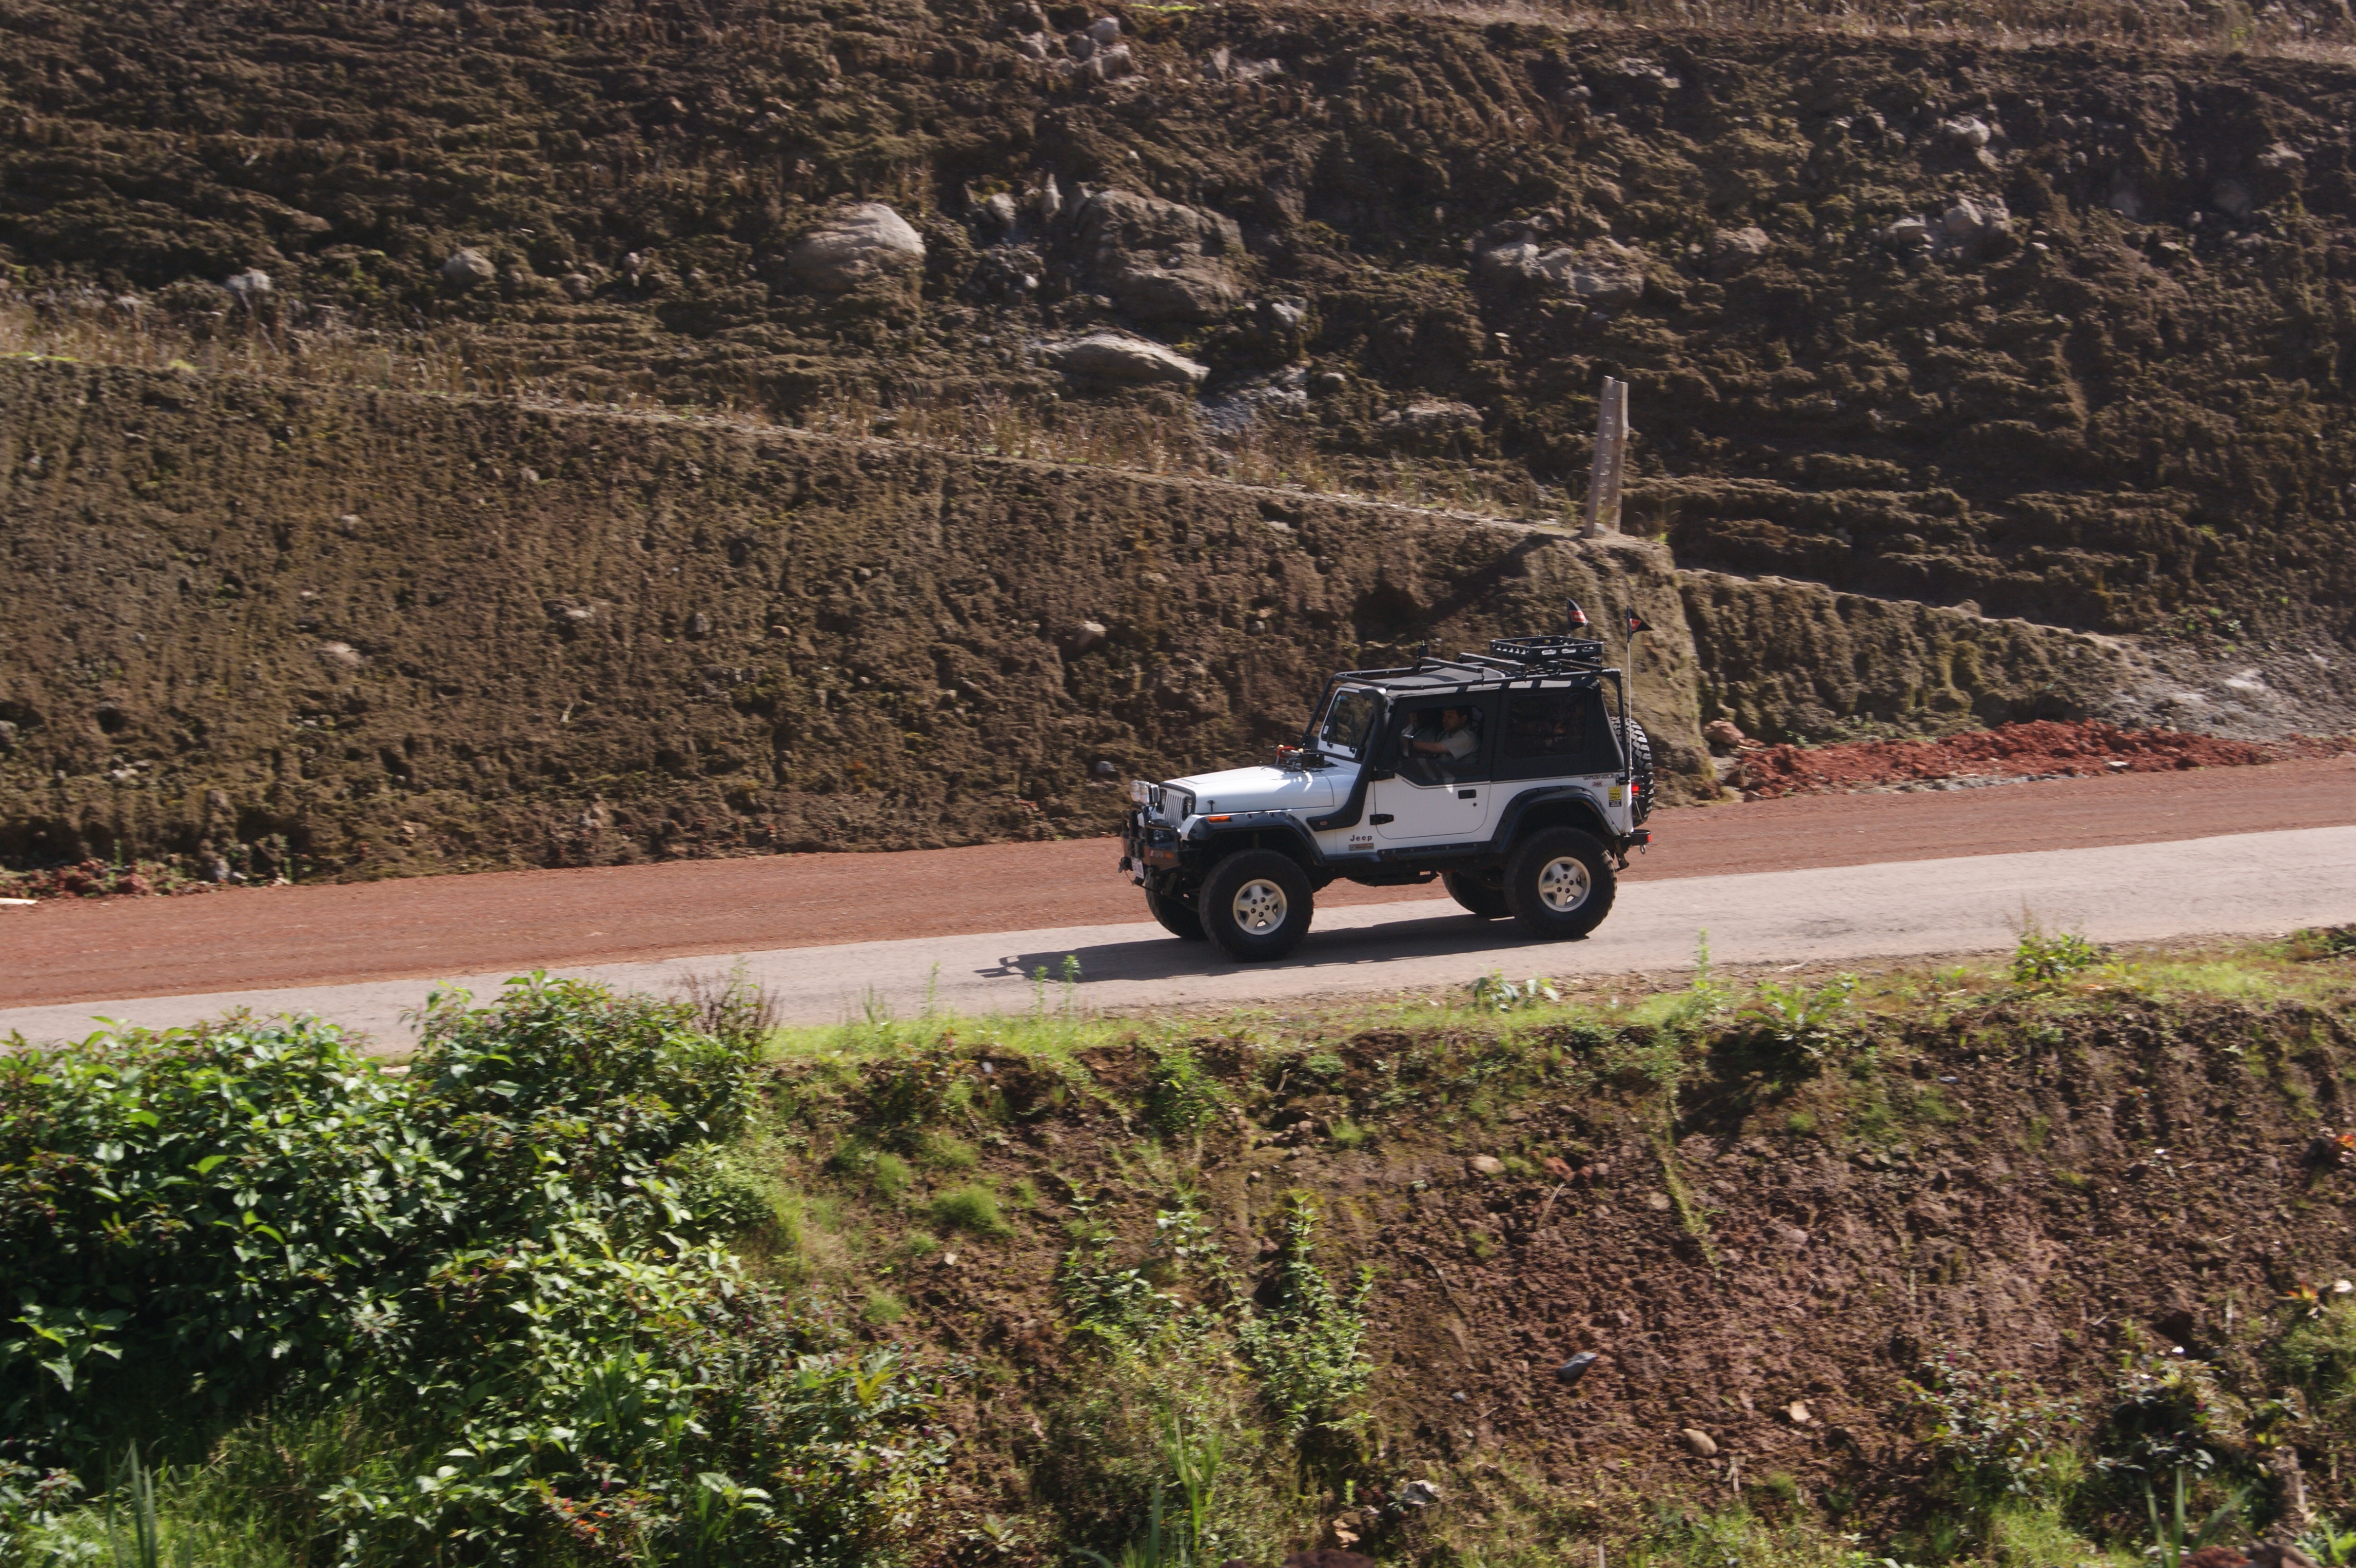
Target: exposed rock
point(1222, 65)
point(251, 287)
point(1485, 1165)
point(579, 286)
point(857, 246)
point(1418, 1495)
point(213, 868)
point(1737, 250)
point(1121, 359)
point(1700, 1444)
point(1570, 1371)
point(999, 212)
point(1159, 261)
point(466, 268)
point(1079, 46)
point(1659, 1202)
point(1791, 1238)
point(1722, 735)
point(1105, 29)
point(7, 736)
point(1284, 315)
point(338, 655)
point(1908, 234)
point(1084, 636)
point(1604, 274)
point(1971, 227)
point(1432, 418)
point(1797, 1411)
point(1967, 132)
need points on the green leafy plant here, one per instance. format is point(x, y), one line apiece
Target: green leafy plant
point(1182, 1097)
point(2042, 956)
point(1799, 1019)
point(972, 1208)
point(1993, 1434)
point(2329, 1545)
point(1309, 1347)
point(1492, 993)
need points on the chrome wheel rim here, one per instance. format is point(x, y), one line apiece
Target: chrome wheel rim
point(1564, 885)
point(1259, 906)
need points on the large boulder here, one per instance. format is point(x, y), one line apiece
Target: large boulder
point(1159, 261)
point(1116, 359)
point(858, 246)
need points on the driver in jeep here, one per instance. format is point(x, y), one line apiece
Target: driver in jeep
point(1436, 743)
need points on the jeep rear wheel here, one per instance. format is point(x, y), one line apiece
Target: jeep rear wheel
point(1559, 884)
point(1482, 900)
point(1256, 903)
point(1176, 918)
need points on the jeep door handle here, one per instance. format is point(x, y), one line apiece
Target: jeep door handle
point(1379, 818)
point(1468, 794)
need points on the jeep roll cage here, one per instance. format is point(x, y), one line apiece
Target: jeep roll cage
point(1510, 661)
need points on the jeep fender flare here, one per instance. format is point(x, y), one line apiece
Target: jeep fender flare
point(1562, 808)
point(1279, 831)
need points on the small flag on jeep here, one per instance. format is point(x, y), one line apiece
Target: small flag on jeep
point(1576, 619)
point(1636, 623)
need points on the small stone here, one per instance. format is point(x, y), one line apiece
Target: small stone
point(1084, 636)
point(1105, 29)
point(7, 736)
point(1699, 1444)
point(466, 268)
point(1658, 1202)
point(217, 802)
point(1798, 1410)
point(347, 525)
point(1486, 1164)
point(1722, 735)
point(578, 285)
point(251, 287)
point(1432, 417)
point(998, 211)
point(1791, 1238)
point(1284, 315)
point(1966, 131)
point(1106, 769)
point(1418, 1495)
point(1570, 1371)
point(1737, 250)
point(1909, 234)
point(341, 655)
point(1328, 382)
point(213, 869)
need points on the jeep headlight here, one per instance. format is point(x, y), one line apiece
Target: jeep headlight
point(1140, 793)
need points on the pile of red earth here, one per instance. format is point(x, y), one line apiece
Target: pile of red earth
point(2043, 749)
point(90, 877)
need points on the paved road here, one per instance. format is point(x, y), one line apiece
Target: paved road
point(2244, 884)
point(276, 938)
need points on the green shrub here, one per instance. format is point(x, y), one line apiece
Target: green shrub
point(2317, 1354)
point(889, 1175)
point(948, 1152)
point(2043, 956)
point(1308, 1346)
point(484, 1261)
point(1181, 1097)
point(972, 1208)
point(1993, 1435)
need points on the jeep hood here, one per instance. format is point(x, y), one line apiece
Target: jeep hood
point(1266, 789)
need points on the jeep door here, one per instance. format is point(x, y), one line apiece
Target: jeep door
point(1429, 800)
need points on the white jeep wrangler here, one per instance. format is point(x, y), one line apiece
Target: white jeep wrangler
point(1530, 817)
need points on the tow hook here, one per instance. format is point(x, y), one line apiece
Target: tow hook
point(1124, 862)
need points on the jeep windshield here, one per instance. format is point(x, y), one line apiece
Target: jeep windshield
point(1348, 719)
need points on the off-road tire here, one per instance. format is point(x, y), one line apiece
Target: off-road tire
point(1256, 905)
point(1176, 918)
point(1480, 900)
point(1640, 773)
point(1559, 884)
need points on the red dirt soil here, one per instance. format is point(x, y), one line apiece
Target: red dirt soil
point(2043, 749)
point(78, 950)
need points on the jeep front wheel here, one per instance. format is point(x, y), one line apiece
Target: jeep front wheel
point(1559, 884)
point(1176, 918)
point(1256, 903)
point(1482, 900)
